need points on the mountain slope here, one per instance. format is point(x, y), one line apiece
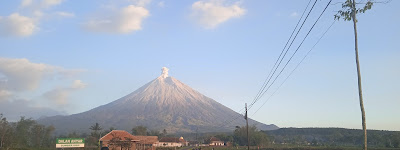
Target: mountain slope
point(163, 103)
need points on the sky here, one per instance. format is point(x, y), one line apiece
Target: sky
point(66, 57)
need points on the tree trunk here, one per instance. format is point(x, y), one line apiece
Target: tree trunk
point(364, 125)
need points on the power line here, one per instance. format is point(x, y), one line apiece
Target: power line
point(283, 50)
point(294, 68)
point(297, 48)
point(259, 96)
point(265, 82)
point(263, 91)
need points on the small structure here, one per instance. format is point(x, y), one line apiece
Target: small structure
point(172, 142)
point(119, 139)
point(213, 141)
point(147, 142)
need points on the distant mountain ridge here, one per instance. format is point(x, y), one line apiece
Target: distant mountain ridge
point(163, 103)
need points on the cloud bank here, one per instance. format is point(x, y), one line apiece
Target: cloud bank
point(19, 76)
point(59, 96)
point(17, 24)
point(23, 75)
point(13, 110)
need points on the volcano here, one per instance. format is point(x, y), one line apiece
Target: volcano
point(163, 103)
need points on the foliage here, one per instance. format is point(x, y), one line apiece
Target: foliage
point(26, 133)
point(348, 10)
point(95, 135)
point(334, 137)
point(257, 138)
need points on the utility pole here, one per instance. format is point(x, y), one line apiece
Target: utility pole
point(247, 128)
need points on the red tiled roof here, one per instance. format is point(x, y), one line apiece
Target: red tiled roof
point(123, 135)
point(147, 139)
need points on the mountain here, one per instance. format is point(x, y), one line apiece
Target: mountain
point(163, 103)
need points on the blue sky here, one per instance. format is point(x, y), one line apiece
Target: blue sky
point(64, 56)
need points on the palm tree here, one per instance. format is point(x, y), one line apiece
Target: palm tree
point(96, 127)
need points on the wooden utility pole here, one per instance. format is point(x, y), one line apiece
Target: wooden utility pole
point(247, 128)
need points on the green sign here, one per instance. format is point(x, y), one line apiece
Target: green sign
point(70, 142)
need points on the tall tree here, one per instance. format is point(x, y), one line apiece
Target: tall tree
point(5, 129)
point(349, 13)
point(95, 135)
point(23, 132)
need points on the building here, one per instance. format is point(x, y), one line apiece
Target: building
point(147, 142)
point(122, 140)
point(213, 141)
point(172, 142)
point(119, 140)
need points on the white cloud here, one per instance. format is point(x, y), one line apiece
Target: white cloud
point(59, 96)
point(26, 3)
point(78, 84)
point(65, 14)
point(294, 14)
point(214, 12)
point(23, 75)
point(17, 25)
point(26, 25)
point(126, 20)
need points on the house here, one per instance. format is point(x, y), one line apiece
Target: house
point(213, 141)
point(147, 142)
point(119, 139)
point(172, 142)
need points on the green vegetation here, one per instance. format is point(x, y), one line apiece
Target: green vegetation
point(24, 134)
point(142, 130)
point(257, 138)
point(28, 134)
point(334, 137)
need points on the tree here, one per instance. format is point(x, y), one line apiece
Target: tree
point(164, 132)
point(349, 13)
point(23, 132)
point(5, 130)
point(139, 130)
point(108, 131)
point(96, 127)
point(37, 133)
point(154, 133)
point(257, 138)
point(95, 135)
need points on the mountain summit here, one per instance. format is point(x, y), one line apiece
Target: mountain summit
point(163, 103)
